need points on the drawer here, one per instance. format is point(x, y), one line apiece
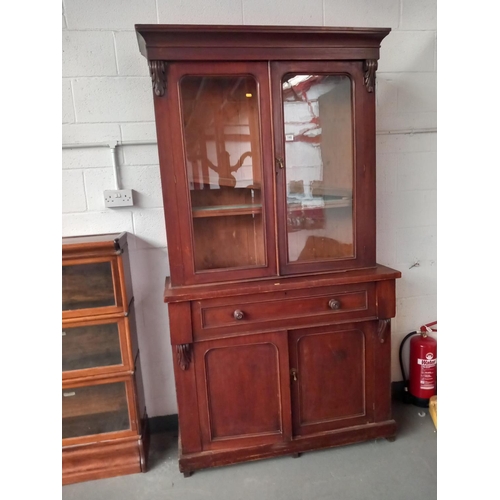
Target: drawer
point(91, 287)
point(291, 309)
point(91, 411)
point(95, 347)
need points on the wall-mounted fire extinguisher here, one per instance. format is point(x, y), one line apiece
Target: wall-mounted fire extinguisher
point(422, 383)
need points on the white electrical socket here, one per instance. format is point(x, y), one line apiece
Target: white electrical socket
point(115, 198)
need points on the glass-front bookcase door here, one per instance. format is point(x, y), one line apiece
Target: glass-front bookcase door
point(91, 286)
point(94, 347)
point(92, 410)
point(319, 156)
point(225, 134)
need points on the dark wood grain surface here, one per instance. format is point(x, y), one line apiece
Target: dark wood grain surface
point(273, 355)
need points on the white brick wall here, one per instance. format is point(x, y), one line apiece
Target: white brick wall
point(106, 96)
point(293, 12)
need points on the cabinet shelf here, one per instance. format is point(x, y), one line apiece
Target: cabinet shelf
point(227, 210)
point(319, 204)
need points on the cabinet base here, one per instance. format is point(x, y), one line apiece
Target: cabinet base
point(101, 460)
point(188, 463)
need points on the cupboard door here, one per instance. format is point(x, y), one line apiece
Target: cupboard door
point(331, 371)
point(223, 144)
point(243, 390)
point(324, 118)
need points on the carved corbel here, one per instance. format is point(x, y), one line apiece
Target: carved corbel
point(382, 329)
point(184, 355)
point(370, 67)
point(158, 77)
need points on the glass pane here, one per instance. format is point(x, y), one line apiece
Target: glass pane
point(221, 136)
point(87, 286)
point(94, 410)
point(90, 346)
point(319, 166)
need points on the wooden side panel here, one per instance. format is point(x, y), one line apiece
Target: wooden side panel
point(386, 299)
point(125, 276)
point(187, 404)
point(179, 315)
point(381, 334)
point(175, 220)
point(185, 378)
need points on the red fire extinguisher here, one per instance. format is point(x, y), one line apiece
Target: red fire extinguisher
point(422, 384)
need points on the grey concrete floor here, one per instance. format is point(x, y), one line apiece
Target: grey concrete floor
point(375, 470)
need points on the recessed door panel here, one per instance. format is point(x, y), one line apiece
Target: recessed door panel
point(236, 394)
point(328, 373)
point(242, 384)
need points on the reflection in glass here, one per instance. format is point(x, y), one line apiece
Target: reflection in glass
point(319, 166)
point(94, 409)
point(222, 147)
point(90, 346)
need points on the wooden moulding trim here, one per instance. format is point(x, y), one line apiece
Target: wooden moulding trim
point(99, 460)
point(158, 77)
point(230, 43)
point(90, 378)
point(69, 321)
point(277, 284)
point(200, 36)
point(206, 53)
point(83, 253)
point(203, 460)
point(183, 355)
point(370, 67)
point(92, 246)
point(382, 329)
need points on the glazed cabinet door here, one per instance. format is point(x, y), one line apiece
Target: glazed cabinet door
point(94, 347)
point(219, 149)
point(324, 120)
point(332, 377)
point(243, 390)
point(92, 286)
point(98, 410)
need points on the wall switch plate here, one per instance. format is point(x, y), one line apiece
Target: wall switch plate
point(115, 198)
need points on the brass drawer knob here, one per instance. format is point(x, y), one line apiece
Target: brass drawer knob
point(238, 314)
point(334, 304)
